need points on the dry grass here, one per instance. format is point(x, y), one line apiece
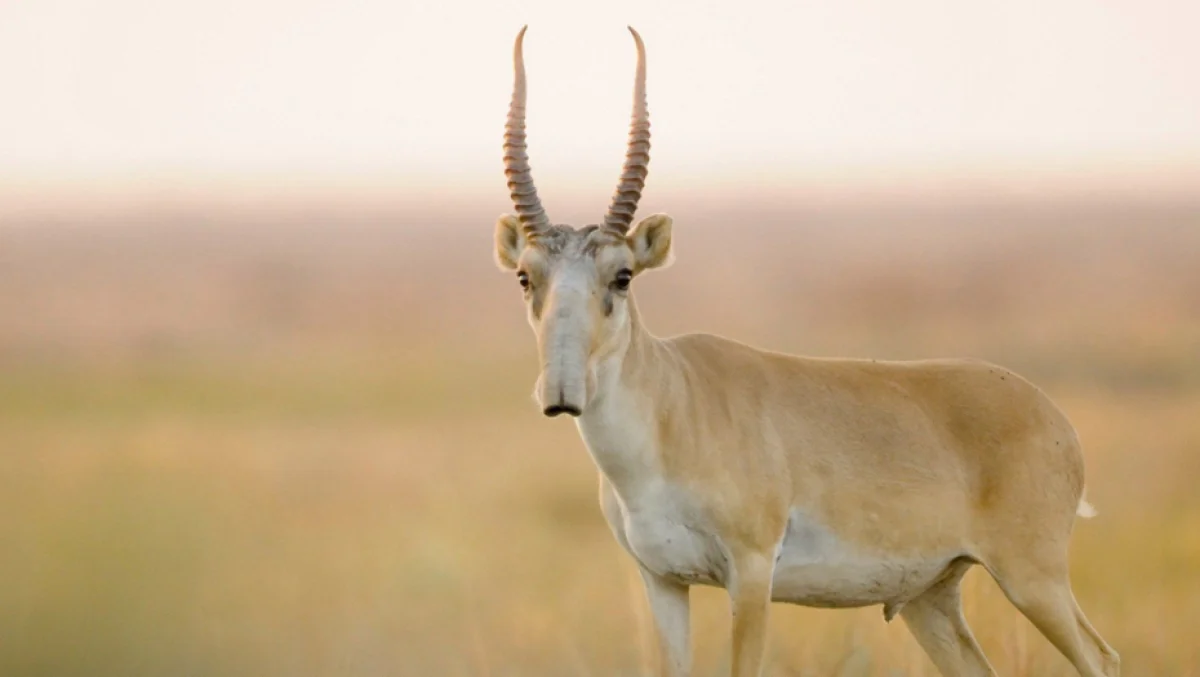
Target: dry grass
point(326, 467)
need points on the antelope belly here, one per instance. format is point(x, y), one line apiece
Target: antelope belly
point(816, 568)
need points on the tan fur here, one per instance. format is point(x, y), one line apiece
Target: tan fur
point(823, 482)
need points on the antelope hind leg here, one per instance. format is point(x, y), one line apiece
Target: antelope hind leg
point(935, 619)
point(1043, 594)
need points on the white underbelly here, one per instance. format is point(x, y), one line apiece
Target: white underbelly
point(854, 583)
point(814, 567)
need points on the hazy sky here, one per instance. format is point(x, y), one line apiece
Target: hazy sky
point(127, 92)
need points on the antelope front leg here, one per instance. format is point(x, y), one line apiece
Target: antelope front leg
point(669, 605)
point(750, 599)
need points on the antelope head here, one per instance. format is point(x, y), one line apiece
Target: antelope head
point(576, 280)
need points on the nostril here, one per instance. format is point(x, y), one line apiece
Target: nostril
point(556, 409)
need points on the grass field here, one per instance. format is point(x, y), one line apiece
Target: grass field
point(226, 452)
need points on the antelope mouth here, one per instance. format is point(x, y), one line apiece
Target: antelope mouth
point(556, 409)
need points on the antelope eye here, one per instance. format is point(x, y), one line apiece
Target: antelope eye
point(624, 276)
point(523, 279)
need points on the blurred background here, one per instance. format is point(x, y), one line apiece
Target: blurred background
point(265, 399)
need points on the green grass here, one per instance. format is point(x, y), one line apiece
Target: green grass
point(421, 518)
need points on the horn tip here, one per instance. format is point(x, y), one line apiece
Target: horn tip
point(637, 38)
point(518, 48)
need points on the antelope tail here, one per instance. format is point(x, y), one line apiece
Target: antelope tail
point(1085, 510)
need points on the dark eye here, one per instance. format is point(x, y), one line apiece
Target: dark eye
point(624, 276)
point(523, 279)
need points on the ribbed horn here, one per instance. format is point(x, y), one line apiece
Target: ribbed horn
point(637, 155)
point(516, 160)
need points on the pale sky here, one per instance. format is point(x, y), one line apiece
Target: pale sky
point(133, 93)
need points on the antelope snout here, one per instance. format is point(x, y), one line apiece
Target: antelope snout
point(564, 341)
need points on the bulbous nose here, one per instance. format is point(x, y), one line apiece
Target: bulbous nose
point(556, 409)
point(563, 341)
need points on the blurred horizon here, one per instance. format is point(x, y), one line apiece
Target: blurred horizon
point(177, 280)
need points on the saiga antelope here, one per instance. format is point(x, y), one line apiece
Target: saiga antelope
point(820, 482)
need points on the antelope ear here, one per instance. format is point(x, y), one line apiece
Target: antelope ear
point(510, 241)
point(650, 240)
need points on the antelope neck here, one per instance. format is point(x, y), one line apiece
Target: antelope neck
point(621, 425)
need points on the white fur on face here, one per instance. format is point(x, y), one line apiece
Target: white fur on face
point(564, 337)
point(577, 313)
